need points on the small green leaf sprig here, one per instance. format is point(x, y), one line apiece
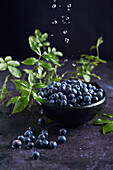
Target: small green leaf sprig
point(107, 124)
point(44, 70)
point(87, 63)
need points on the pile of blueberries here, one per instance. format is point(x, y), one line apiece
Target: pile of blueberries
point(72, 93)
point(30, 140)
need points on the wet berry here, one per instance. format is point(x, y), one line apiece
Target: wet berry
point(16, 144)
point(61, 139)
point(36, 155)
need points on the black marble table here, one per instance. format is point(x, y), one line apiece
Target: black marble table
point(86, 147)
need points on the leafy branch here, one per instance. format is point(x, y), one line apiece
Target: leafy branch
point(87, 63)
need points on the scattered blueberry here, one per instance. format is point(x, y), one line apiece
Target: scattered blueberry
point(16, 144)
point(41, 121)
point(63, 131)
point(41, 136)
point(21, 138)
point(36, 155)
point(38, 143)
point(45, 133)
point(30, 145)
point(61, 139)
point(27, 140)
point(28, 133)
point(52, 145)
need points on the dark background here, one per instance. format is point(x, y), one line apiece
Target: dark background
point(89, 20)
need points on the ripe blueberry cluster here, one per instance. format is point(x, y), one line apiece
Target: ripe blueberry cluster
point(30, 140)
point(72, 93)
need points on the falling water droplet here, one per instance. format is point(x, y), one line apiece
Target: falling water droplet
point(73, 64)
point(52, 35)
point(54, 0)
point(54, 6)
point(59, 6)
point(66, 60)
point(69, 6)
point(67, 18)
point(66, 40)
point(68, 9)
point(68, 22)
point(64, 22)
point(54, 22)
point(62, 16)
point(65, 31)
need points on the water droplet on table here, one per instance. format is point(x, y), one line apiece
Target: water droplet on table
point(67, 18)
point(59, 6)
point(53, 6)
point(64, 22)
point(73, 64)
point(68, 22)
point(66, 40)
point(54, 22)
point(62, 16)
point(65, 60)
point(65, 31)
point(54, 0)
point(52, 35)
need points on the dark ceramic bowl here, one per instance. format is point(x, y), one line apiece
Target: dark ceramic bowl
point(74, 116)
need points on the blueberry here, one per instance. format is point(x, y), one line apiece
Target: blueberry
point(68, 90)
point(87, 99)
point(93, 87)
point(79, 93)
point(28, 133)
point(74, 91)
point(38, 143)
point(54, 90)
point(71, 96)
point(91, 91)
point(61, 139)
point(16, 144)
point(77, 87)
point(89, 85)
point(94, 94)
point(100, 90)
point(76, 105)
point(53, 83)
point(95, 99)
point(45, 133)
point(41, 94)
point(30, 145)
point(60, 94)
point(45, 143)
point(64, 97)
point(63, 131)
point(84, 84)
point(68, 81)
point(100, 95)
point(58, 101)
point(70, 105)
point(27, 140)
point(52, 145)
point(36, 155)
point(62, 88)
point(85, 89)
point(86, 94)
point(58, 84)
point(32, 137)
point(41, 121)
point(63, 103)
point(41, 136)
point(73, 81)
point(78, 82)
point(79, 99)
point(82, 104)
point(33, 129)
point(73, 101)
point(51, 102)
point(21, 138)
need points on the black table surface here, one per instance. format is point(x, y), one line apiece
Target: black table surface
point(86, 147)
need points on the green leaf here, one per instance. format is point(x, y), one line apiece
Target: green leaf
point(22, 102)
point(43, 75)
point(34, 46)
point(4, 89)
point(14, 71)
point(99, 41)
point(21, 85)
point(108, 115)
point(102, 61)
point(1, 60)
point(107, 128)
point(44, 37)
point(13, 63)
point(30, 61)
point(94, 75)
point(31, 78)
point(58, 53)
point(92, 47)
point(53, 50)
point(91, 68)
point(50, 58)
point(8, 58)
point(102, 121)
point(37, 33)
point(49, 49)
point(40, 69)
point(86, 78)
point(3, 66)
point(39, 85)
point(44, 64)
point(37, 97)
point(46, 44)
point(12, 100)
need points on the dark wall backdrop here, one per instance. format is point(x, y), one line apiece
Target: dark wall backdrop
point(89, 20)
